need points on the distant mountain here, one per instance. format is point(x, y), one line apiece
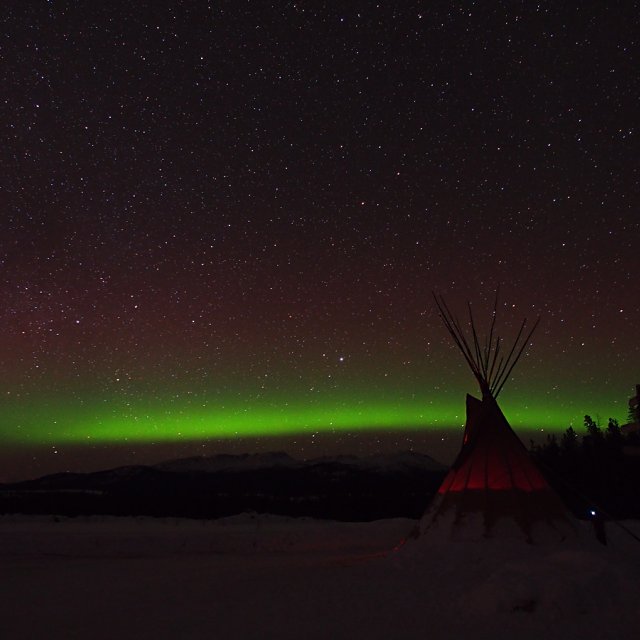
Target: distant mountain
point(340, 487)
point(230, 462)
point(405, 460)
point(93, 481)
point(386, 462)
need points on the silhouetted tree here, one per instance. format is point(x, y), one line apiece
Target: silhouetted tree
point(551, 450)
point(594, 465)
point(634, 406)
point(613, 434)
point(593, 430)
point(593, 442)
point(569, 442)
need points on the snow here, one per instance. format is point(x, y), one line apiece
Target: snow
point(257, 576)
point(504, 588)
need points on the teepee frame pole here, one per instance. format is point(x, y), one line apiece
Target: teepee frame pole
point(489, 366)
point(490, 337)
point(513, 364)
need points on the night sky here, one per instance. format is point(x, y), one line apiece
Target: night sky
point(222, 222)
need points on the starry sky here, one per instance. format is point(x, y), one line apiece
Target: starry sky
point(222, 222)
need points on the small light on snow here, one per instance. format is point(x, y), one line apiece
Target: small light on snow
point(593, 513)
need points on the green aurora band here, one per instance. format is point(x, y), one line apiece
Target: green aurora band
point(60, 419)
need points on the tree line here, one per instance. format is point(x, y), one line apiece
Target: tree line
point(597, 468)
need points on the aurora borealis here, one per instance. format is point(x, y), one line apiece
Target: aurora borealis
point(222, 221)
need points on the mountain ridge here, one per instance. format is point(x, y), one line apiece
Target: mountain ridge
point(333, 487)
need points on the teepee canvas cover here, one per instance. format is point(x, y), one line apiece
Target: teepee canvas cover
point(494, 485)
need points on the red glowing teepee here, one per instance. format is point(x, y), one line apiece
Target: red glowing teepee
point(493, 488)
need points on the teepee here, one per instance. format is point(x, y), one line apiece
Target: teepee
point(494, 488)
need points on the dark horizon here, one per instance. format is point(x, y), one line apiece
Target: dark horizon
point(21, 463)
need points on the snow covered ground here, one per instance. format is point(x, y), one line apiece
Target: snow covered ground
point(270, 577)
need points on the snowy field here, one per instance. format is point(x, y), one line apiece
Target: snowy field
point(270, 577)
